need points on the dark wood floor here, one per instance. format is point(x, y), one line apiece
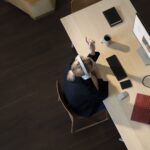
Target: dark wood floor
point(32, 57)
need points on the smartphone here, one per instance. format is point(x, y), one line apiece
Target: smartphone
point(126, 84)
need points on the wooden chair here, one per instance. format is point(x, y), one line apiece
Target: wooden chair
point(74, 117)
point(80, 4)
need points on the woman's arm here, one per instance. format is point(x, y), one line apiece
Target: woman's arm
point(94, 57)
point(91, 44)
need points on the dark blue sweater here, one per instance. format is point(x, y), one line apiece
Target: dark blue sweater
point(82, 95)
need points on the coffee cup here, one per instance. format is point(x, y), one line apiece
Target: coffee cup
point(106, 40)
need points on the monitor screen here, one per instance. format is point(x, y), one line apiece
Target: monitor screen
point(142, 35)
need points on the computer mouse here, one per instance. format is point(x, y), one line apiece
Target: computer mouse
point(122, 95)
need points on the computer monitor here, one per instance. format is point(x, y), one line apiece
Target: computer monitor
point(143, 37)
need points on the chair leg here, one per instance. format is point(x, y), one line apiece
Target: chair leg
point(88, 126)
point(91, 125)
point(72, 126)
point(120, 139)
point(107, 116)
point(72, 46)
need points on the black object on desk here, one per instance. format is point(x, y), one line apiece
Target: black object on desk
point(126, 84)
point(112, 16)
point(95, 57)
point(116, 67)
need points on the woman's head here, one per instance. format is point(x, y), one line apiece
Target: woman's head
point(77, 70)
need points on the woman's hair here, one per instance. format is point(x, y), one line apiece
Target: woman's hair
point(76, 69)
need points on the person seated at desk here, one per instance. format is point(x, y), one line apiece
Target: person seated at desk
point(83, 90)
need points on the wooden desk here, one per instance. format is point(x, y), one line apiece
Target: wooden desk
point(90, 22)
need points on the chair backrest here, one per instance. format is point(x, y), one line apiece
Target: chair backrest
point(80, 4)
point(63, 100)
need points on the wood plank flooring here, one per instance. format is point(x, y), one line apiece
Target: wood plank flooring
point(32, 57)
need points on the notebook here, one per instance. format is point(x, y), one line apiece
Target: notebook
point(141, 109)
point(112, 16)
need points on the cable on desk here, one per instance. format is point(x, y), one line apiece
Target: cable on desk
point(144, 79)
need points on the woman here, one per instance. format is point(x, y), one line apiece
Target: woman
point(83, 90)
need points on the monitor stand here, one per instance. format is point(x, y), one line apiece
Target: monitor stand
point(143, 55)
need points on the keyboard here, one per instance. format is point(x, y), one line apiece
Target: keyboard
point(116, 67)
